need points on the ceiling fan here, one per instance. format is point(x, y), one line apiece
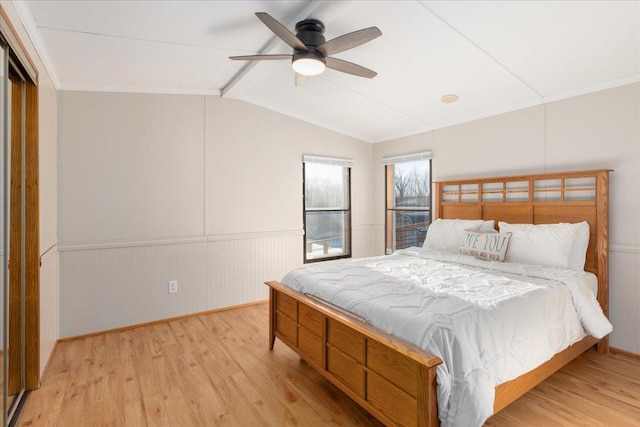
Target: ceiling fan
point(310, 50)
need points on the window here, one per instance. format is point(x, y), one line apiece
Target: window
point(408, 200)
point(327, 208)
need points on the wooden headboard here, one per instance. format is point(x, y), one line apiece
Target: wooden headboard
point(538, 199)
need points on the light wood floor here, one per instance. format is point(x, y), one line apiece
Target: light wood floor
point(216, 369)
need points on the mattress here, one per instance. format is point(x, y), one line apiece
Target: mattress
point(489, 322)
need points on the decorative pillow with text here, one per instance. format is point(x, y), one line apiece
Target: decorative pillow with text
point(489, 246)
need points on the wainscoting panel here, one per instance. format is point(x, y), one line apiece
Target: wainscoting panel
point(624, 297)
point(107, 286)
point(48, 304)
point(238, 268)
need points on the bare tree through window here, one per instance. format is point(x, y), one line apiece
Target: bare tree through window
point(408, 203)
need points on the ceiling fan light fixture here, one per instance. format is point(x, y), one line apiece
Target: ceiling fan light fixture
point(308, 66)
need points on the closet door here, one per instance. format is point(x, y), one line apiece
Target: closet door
point(19, 236)
point(15, 380)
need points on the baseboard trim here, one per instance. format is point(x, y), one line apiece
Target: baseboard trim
point(156, 322)
point(622, 352)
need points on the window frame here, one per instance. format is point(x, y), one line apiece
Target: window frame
point(347, 229)
point(389, 186)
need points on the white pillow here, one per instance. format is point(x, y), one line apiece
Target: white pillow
point(489, 246)
point(488, 227)
point(446, 234)
point(579, 252)
point(549, 245)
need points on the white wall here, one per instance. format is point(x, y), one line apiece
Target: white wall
point(261, 153)
point(199, 189)
point(130, 167)
point(595, 131)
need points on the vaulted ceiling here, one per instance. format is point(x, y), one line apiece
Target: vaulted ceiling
point(495, 56)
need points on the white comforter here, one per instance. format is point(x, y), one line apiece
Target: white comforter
point(489, 322)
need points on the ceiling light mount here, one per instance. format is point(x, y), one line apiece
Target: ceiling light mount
point(310, 32)
point(449, 98)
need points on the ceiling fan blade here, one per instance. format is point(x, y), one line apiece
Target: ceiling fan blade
point(350, 68)
point(349, 41)
point(281, 31)
point(301, 79)
point(260, 57)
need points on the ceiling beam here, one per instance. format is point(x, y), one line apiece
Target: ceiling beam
point(227, 90)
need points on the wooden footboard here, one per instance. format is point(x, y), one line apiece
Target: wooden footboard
point(393, 380)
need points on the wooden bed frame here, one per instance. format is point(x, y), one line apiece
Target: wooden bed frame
point(396, 381)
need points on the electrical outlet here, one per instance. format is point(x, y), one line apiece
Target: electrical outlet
point(173, 286)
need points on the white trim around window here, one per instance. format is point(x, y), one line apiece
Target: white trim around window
point(407, 158)
point(327, 160)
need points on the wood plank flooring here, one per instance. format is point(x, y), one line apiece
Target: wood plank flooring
point(216, 369)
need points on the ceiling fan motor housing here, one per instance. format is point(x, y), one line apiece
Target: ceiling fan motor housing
point(311, 33)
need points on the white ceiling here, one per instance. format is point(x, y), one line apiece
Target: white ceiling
point(496, 56)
